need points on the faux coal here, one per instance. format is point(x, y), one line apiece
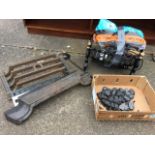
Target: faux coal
point(117, 98)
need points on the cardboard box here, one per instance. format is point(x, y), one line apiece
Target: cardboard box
point(144, 97)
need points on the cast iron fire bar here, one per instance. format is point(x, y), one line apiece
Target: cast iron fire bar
point(32, 82)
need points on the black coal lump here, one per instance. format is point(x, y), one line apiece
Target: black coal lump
point(105, 102)
point(104, 96)
point(117, 98)
point(111, 98)
point(130, 96)
point(127, 98)
point(126, 91)
point(123, 100)
point(124, 107)
point(113, 92)
point(104, 88)
point(119, 92)
point(112, 104)
point(116, 106)
point(107, 92)
point(99, 95)
point(120, 100)
point(131, 105)
point(132, 92)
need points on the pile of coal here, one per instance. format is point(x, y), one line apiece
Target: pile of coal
point(117, 98)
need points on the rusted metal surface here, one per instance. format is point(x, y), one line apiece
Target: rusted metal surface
point(24, 74)
point(51, 90)
point(32, 82)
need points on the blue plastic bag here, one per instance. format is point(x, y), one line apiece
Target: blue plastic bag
point(107, 26)
point(110, 27)
point(129, 29)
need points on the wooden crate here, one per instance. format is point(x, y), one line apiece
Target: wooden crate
point(144, 97)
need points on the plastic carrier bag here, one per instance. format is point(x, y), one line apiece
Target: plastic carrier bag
point(107, 26)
